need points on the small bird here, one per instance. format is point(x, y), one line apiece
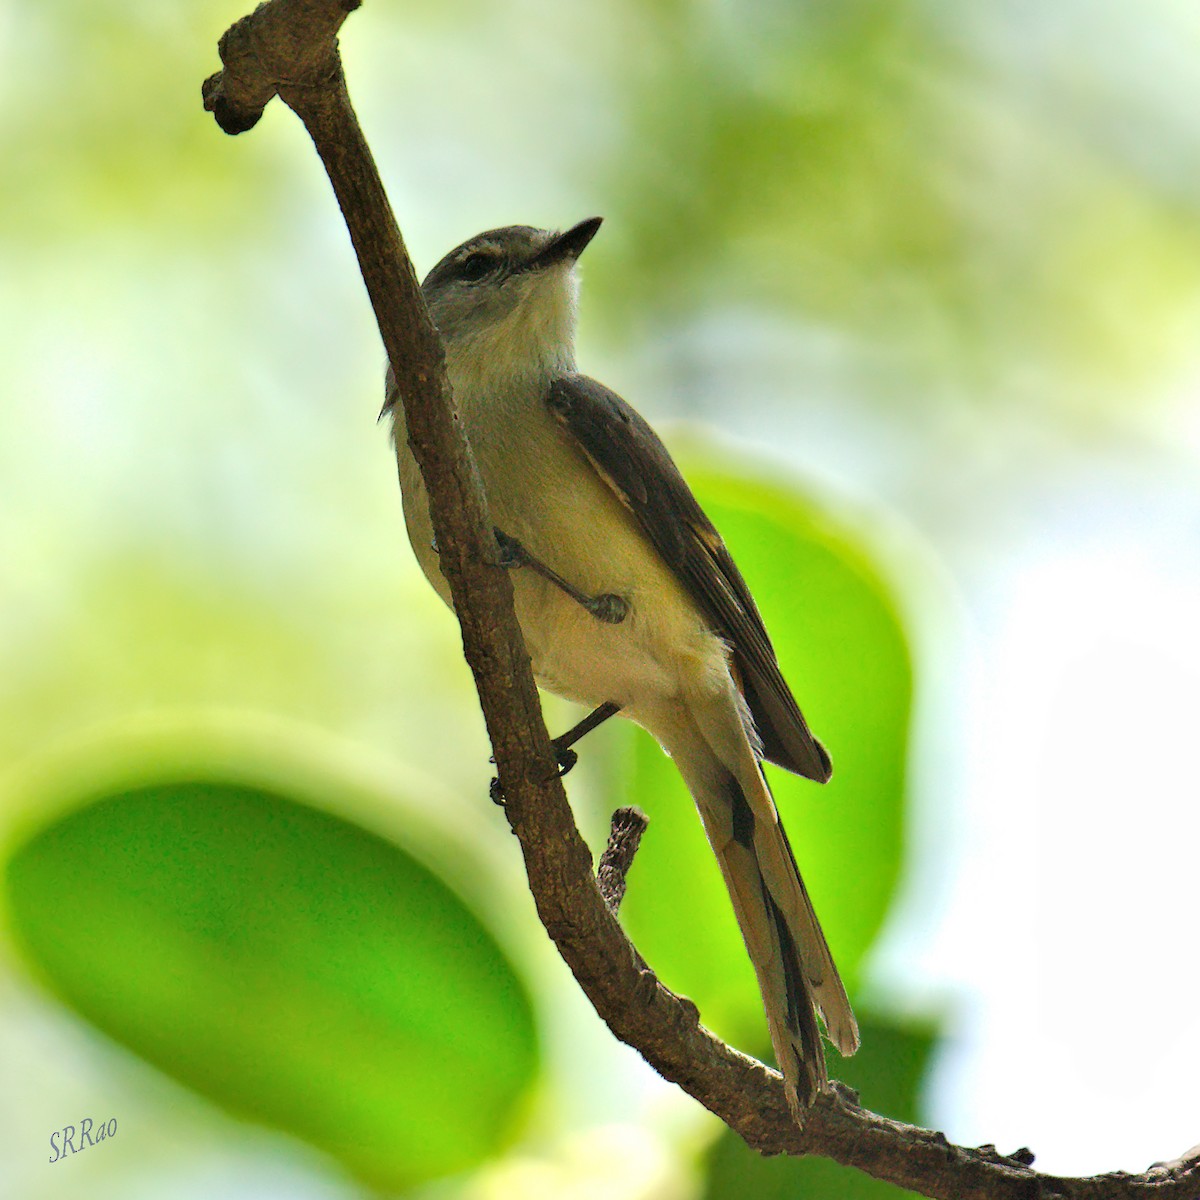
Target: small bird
point(628, 599)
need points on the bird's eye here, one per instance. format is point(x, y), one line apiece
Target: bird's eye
point(475, 266)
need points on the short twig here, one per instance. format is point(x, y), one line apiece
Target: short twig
point(628, 825)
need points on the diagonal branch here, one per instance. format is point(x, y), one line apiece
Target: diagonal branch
point(289, 48)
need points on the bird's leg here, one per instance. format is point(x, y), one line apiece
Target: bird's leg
point(562, 744)
point(606, 607)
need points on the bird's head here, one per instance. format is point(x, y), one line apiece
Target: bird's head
point(504, 301)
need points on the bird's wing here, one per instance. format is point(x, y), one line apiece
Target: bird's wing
point(629, 456)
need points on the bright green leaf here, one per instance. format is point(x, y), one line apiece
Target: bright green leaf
point(287, 964)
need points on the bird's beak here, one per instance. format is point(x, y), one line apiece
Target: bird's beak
point(566, 247)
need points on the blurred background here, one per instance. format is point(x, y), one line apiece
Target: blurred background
point(913, 291)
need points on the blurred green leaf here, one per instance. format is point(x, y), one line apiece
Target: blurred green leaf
point(800, 157)
point(867, 166)
point(887, 1072)
point(287, 964)
point(841, 646)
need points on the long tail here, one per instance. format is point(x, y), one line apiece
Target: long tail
point(791, 958)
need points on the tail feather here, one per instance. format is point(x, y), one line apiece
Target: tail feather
point(778, 863)
point(791, 1021)
point(803, 1045)
point(795, 970)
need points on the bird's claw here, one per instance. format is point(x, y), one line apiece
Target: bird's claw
point(512, 553)
point(496, 792)
point(610, 609)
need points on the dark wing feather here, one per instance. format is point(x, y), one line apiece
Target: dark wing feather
point(632, 460)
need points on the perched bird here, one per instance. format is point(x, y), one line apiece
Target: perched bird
point(632, 603)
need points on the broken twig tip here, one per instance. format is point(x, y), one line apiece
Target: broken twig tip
point(625, 835)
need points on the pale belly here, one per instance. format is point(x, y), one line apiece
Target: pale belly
point(580, 529)
point(581, 658)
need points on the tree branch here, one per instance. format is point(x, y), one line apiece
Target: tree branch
point(289, 48)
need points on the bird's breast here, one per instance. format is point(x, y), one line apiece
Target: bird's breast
point(543, 491)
